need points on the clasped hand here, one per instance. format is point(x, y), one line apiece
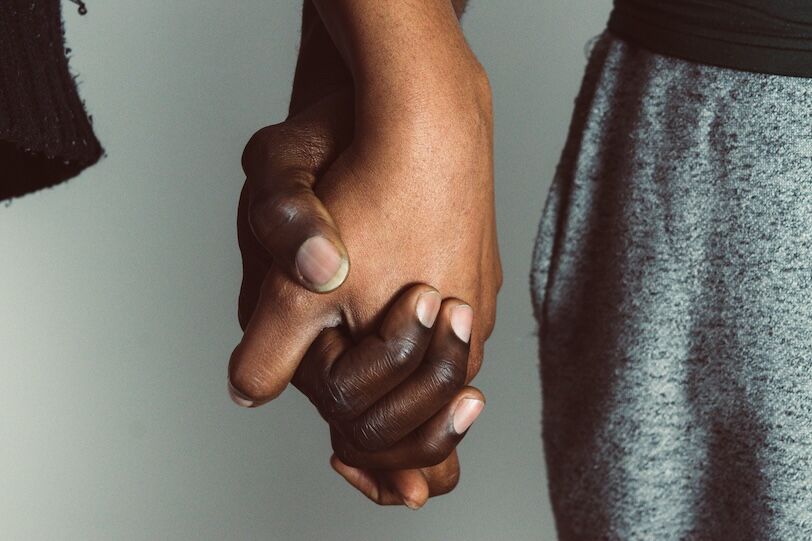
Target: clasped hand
point(346, 216)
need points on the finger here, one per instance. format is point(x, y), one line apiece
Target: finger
point(413, 486)
point(443, 477)
point(403, 487)
point(428, 445)
point(417, 489)
point(255, 263)
point(282, 163)
point(438, 378)
point(294, 227)
point(286, 320)
point(313, 372)
point(475, 354)
point(366, 372)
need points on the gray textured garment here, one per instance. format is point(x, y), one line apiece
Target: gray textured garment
point(672, 284)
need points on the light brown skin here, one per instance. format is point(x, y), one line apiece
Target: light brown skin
point(390, 158)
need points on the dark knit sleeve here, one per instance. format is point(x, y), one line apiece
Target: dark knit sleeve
point(45, 134)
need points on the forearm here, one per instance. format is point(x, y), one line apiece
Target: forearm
point(320, 65)
point(409, 63)
point(392, 45)
point(320, 69)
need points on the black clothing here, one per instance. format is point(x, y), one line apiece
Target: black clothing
point(770, 36)
point(45, 133)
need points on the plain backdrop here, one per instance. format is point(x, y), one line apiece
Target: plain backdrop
point(118, 294)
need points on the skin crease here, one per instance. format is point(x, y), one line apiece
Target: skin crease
point(391, 400)
point(404, 169)
point(320, 128)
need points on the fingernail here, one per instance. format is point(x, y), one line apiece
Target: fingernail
point(466, 413)
point(411, 504)
point(320, 264)
point(428, 306)
point(462, 316)
point(239, 398)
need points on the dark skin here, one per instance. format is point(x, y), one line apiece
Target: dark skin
point(392, 401)
point(377, 393)
point(406, 454)
point(385, 482)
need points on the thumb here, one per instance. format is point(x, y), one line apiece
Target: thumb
point(293, 225)
point(287, 319)
point(282, 163)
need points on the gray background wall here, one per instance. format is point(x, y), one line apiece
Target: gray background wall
point(117, 294)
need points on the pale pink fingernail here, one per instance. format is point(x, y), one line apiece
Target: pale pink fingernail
point(466, 413)
point(414, 506)
point(238, 398)
point(428, 306)
point(462, 317)
point(320, 264)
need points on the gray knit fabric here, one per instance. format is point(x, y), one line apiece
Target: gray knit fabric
point(672, 283)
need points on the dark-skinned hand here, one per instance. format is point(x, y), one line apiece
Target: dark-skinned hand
point(396, 402)
point(407, 202)
point(313, 137)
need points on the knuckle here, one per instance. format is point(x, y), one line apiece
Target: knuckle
point(288, 143)
point(367, 437)
point(370, 433)
point(259, 145)
point(400, 352)
point(338, 403)
point(254, 387)
point(433, 452)
point(274, 210)
point(447, 376)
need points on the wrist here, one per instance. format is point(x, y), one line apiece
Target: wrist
point(455, 102)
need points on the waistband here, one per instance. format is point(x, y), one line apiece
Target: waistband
point(729, 34)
